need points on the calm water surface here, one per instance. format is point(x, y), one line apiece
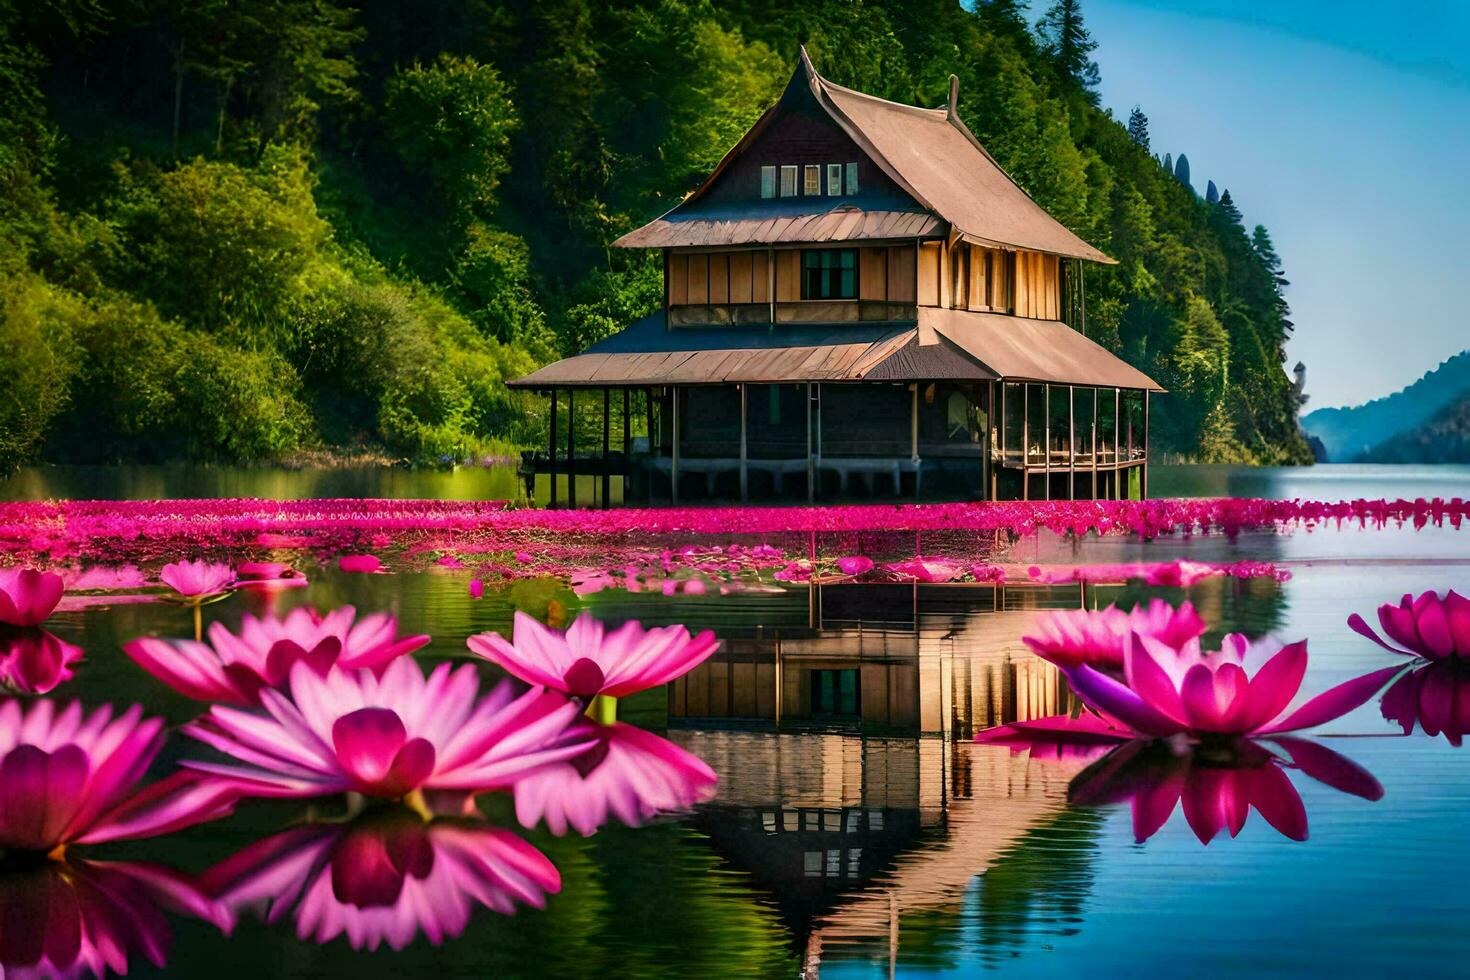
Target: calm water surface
point(862, 833)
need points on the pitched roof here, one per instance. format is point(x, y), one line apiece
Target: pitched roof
point(929, 153)
point(940, 344)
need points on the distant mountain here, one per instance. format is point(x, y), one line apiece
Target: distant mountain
point(1445, 438)
point(1363, 432)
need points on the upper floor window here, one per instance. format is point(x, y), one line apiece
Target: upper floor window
point(805, 180)
point(829, 273)
point(768, 181)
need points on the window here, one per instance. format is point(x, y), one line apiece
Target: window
point(829, 273)
point(852, 185)
point(813, 181)
point(788, 181)
point(836, 692)
point(834, 179)
point(768, 181)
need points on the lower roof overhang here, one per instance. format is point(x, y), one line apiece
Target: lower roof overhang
point(940, 345)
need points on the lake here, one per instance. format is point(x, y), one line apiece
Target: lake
point(856, 829)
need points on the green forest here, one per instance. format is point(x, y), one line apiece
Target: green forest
point(249, 230)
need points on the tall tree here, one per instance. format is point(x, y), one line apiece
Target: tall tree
point(1138, 127)
point(1266, 250)
point(1069, 46)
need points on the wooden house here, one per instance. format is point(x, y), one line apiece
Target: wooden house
point(858, 302)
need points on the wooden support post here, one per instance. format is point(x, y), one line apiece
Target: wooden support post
point(1046, 438)
point(572, 448)
point(744, 468)
point(1071, 442)
point(987, 488)
point(674, 464)
point(811, 463)
point(606, 445)
point(914, 436)
point(1025, 441)
point(551, 455)
point(1143, 486)
point(1094, 443)
point(1117, 444)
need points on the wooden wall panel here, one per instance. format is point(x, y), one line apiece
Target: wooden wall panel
point(928, 276)
point(979, 278)
point(678, 278)
point(788, 276)
point(901, 274)
point(740, 288)
point(873, 274)
point(699, 278)
point(719, 278)
point(760, 278)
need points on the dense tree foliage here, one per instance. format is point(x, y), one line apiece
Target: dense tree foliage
point(240, 229)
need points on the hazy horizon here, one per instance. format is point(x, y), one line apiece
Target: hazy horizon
point(1341, 131)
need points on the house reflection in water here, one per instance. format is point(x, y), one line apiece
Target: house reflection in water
point(849, 785)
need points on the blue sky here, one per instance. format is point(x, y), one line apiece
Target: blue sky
point(1344, 128)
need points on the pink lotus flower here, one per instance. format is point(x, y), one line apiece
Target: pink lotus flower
point(363, 564)
point(235, 669)
point(28, 596)
point(267, 576)
point(1244, 689)
point(929, 570)
point(1218, 789)
point(33, 661)
point(1079, 636)
point(586, 660)
point(477, 588)
point(72, 918)
point(629, 774)
point(388, 736)
point(1436, 695)
point(71, 778)
point(197, 579)
point(855, 564)
point(385, 878)
point(1431, 627)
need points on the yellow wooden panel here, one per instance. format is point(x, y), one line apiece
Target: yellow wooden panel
point(1053, 287)
point(928, 277)
point(873, 274)
point(740, 277)
point(788, 276)
point(959, 265)
point(760, 278)
point(699, 278)
point(719, 688)
point(901, 281)
point(719, 278)
point(678, 279)
point(979, 282)
point(1000, 281)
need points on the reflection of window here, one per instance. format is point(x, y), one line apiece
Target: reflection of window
point(768, 181)
point(812, 180)
point(788, 181)
point(834, 179)
point(852, 185)
point(829, 273)
point(811, 862)
point(836, 692)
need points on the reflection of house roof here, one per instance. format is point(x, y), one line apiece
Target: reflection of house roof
point(941, 344)
point(929, 153)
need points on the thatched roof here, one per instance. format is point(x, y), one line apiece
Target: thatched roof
point(929, 153)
